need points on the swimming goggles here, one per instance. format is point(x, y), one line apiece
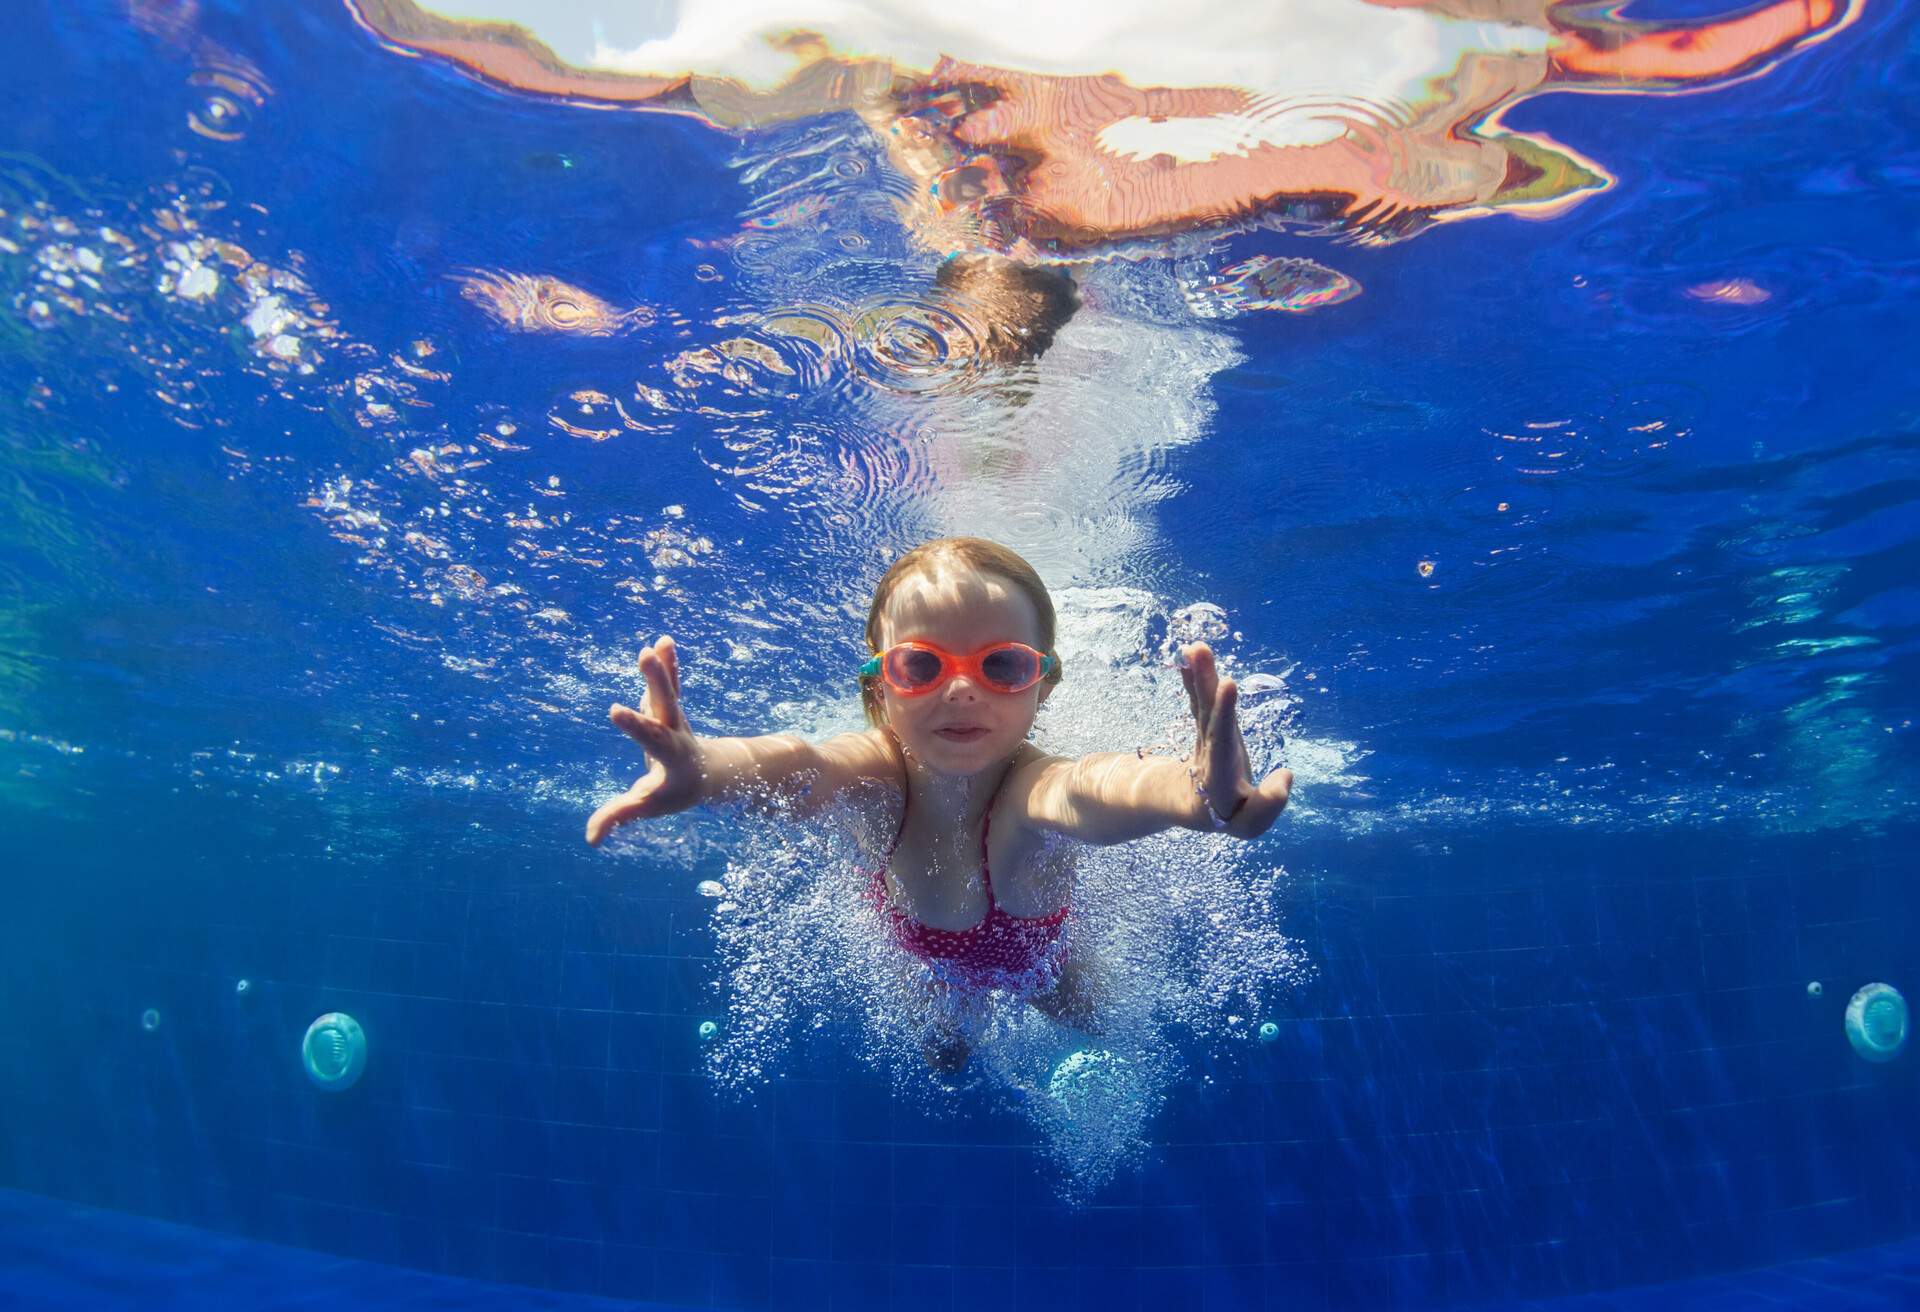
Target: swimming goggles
point(915, 668)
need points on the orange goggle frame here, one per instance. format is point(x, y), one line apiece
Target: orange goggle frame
point(916, 668)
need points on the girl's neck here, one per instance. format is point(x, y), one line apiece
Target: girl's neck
point(958, 800)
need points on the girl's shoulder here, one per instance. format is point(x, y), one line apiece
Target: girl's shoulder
point(1026, 854)
point(865, 756)
point(1030, 768)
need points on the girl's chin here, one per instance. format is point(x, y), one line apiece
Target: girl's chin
point(973, 752)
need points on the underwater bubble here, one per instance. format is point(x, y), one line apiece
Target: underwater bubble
point(708, 1029)
point(710, 888)
point(1877, 1022)
point(1201, 622)
point(1814, 989)
point(149, 1020)
point(1269, 1032)
point(334, 1051)
point(243, 987)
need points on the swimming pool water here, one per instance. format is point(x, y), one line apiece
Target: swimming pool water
point(1577, 579)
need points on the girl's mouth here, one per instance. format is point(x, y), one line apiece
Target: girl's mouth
point(962, 733)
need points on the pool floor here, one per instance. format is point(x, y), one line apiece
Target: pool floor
point(56, 1254)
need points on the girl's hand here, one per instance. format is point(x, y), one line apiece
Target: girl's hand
point(672, 781)
point(1219, 761)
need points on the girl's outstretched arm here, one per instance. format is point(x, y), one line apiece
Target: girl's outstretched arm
point(686, 770)
point(1111, 797)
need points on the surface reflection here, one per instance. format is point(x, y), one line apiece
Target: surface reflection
point(1063, 135)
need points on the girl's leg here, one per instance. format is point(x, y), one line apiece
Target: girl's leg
point(943, 1041)
point(946, 1052)
point(1076, 998)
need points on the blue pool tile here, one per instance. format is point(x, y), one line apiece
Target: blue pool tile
point(586, 980)
point(937, 1288)
point(1045, 1288)
point(800, 1286)
point(742, 1282)
point(628, 1271)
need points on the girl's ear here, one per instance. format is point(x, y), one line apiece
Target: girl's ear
point(1046, 691)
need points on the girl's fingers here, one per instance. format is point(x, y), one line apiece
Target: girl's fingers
point(1277, 788)
point(661, 703)
point(1227, 755)
point(1264, 806)
point(1199, 675)
point(662, 673)
point(614, 814)
point(642, 729)
point(671, 654)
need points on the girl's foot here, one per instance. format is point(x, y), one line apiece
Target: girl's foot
point(946, 1053)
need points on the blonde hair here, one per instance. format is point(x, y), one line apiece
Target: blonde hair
point(978, 554)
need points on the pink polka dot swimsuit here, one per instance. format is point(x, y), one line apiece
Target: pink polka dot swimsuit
point(1020, 953)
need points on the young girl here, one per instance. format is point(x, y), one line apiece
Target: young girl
point(975, 880)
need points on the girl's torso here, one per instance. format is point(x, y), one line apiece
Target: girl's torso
point(956, 882)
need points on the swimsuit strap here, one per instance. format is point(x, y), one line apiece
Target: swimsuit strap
point(886, 858)
point(986, 824)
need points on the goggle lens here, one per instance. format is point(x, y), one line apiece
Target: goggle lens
point(1010, 667)
point(915, 667)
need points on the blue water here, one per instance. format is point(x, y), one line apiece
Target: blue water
point(303, 680)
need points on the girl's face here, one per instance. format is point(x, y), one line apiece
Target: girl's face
point(961, 727)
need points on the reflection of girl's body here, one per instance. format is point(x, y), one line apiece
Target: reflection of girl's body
point(1046, 166)
point(1376, 116)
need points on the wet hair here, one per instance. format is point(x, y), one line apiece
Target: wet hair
point(1016, 308)
point(978, 554)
